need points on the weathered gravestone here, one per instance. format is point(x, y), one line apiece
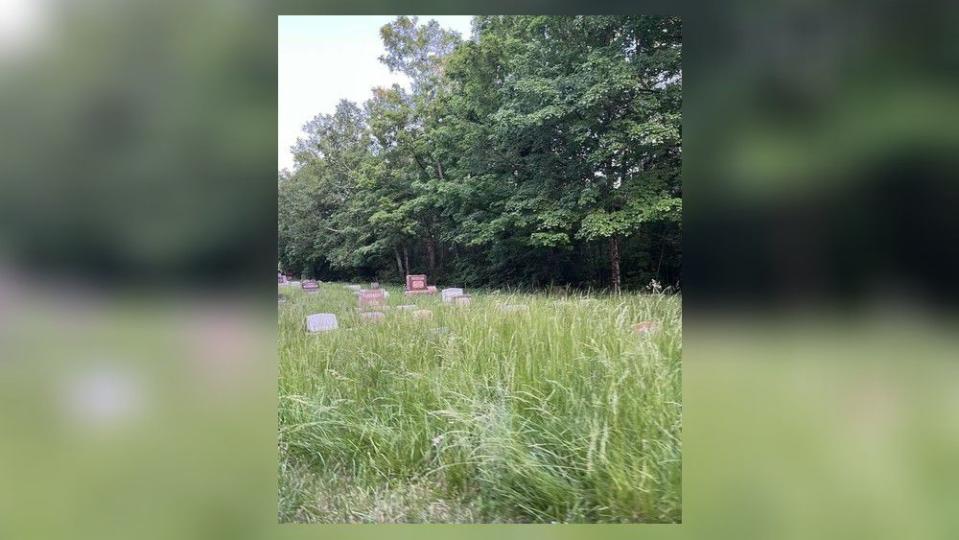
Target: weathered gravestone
point(371, 298)
point(280, 278)
point(374, 284)
point(407, 307)
point(321, 322)
point(416, 284)
point(294, 284)
point(423, 314)
point(310, 286)
point(461, 300)
point(449, 294)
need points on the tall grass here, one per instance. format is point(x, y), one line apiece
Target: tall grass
point(557, 414)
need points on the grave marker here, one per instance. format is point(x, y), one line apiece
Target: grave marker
point(423, 314)
point(416, 284)
point(371, 298)
point(449, 294)
point(321, 322)
point(461, 300)
point(310, 286)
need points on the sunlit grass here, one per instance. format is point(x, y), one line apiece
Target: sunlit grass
point(559, 413)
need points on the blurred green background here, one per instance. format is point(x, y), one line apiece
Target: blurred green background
point(137, 247)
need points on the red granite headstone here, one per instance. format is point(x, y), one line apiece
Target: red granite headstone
point(416, 284)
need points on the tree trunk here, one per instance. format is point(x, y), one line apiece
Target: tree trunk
point(614, 278)
point(406, 259)
point(399, 261)
point(431, 255)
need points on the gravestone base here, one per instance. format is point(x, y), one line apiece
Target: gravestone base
point(372, 316)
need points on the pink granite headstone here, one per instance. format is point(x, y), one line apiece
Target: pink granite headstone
point(371, 298)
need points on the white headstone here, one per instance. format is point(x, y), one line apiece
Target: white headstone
point(449, 294)
point(321, 322)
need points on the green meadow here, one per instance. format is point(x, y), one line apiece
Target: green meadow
point(557, 412)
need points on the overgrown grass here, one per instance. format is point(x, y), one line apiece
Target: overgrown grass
point(557, 414)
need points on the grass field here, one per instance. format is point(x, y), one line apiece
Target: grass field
point(556, 414)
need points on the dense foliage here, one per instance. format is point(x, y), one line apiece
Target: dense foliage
point(545, 150)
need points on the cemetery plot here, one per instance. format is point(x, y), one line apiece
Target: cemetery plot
point(434, 382)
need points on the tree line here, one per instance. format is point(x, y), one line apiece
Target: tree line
point(543, 151)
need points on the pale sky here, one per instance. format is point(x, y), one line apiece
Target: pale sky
point(323, 59)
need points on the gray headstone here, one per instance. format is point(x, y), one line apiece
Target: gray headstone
point(449, 294)
point(321, 322)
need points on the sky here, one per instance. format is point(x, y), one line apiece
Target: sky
point(323, 59)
